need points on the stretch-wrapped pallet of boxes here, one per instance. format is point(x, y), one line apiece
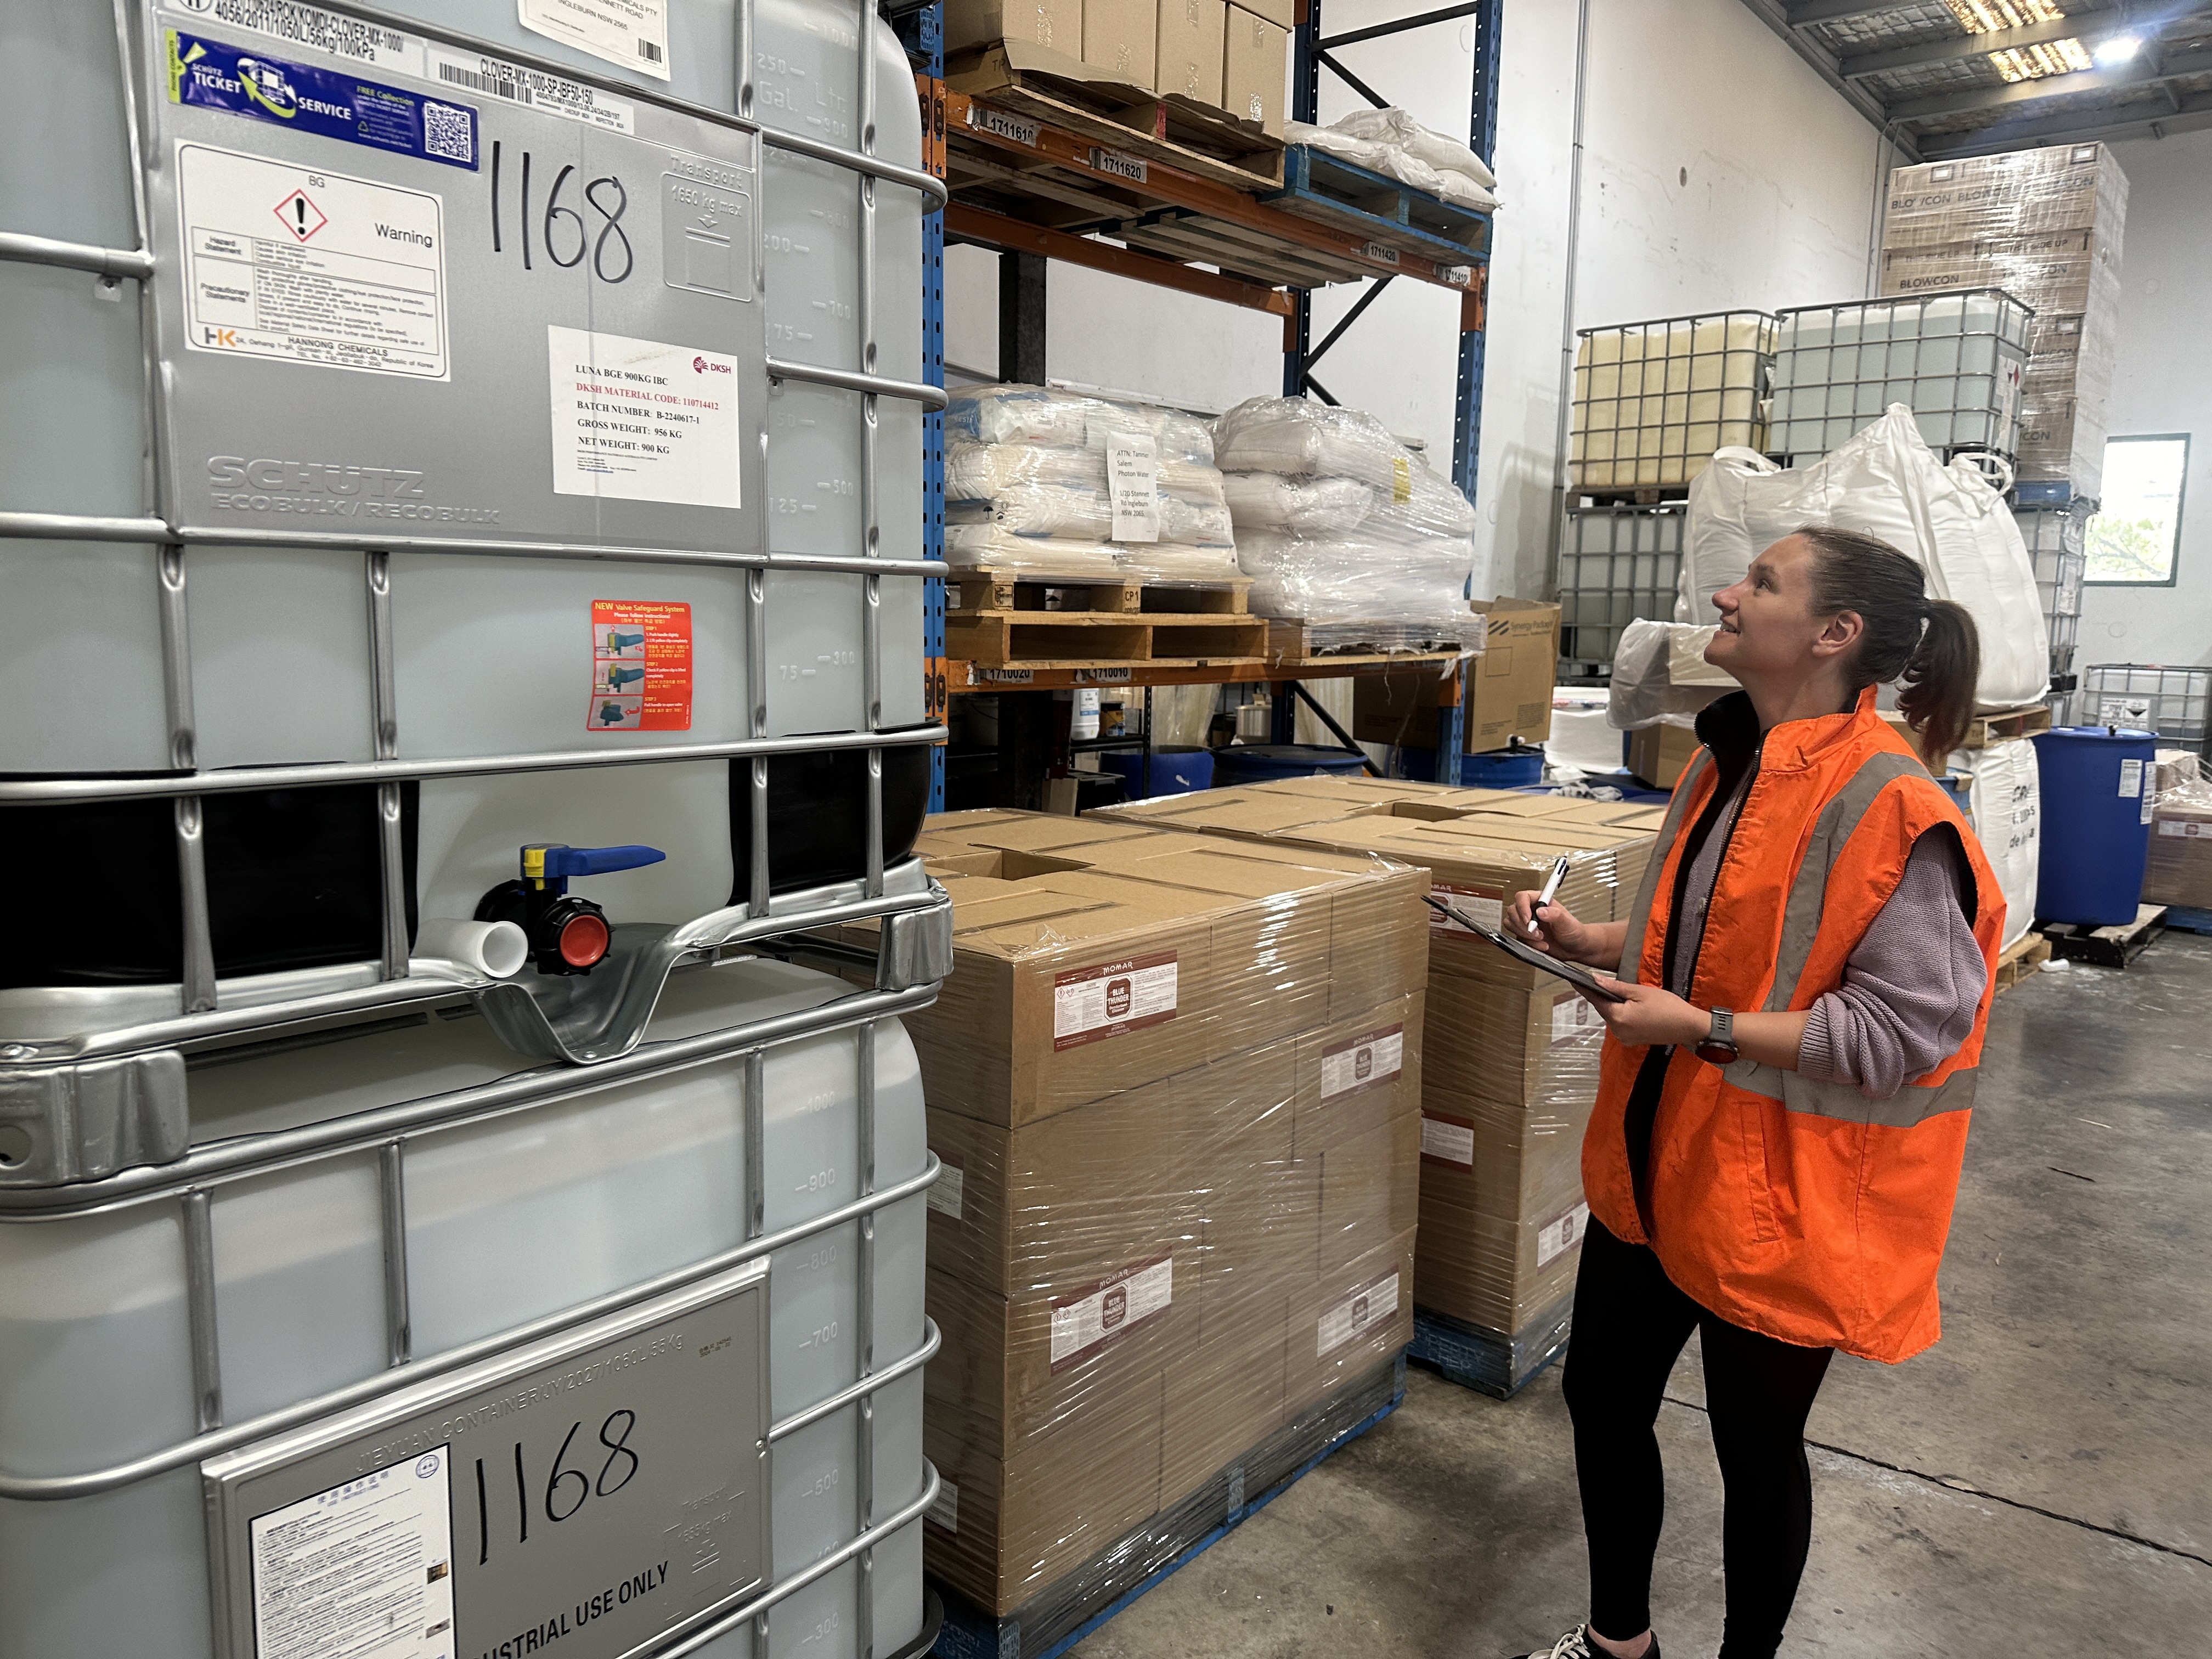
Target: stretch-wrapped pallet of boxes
point(1654, 400)
point(1057, 484)
point(2180, 870)
point(1175, 1084)
point(2044, 225)
point(1509, 1074)
point(1340, 524)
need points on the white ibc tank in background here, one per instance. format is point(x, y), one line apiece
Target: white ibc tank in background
point(508, 1218)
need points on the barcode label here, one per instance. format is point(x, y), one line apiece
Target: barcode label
point(651, 52)
point(454, 75)
point(630, 33)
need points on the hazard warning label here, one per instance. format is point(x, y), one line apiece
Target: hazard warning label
point(641, 666)
point(311, 267)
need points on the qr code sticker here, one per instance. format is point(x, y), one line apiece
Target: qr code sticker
point(448, 132)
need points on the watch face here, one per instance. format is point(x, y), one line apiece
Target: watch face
point(1717, 1054)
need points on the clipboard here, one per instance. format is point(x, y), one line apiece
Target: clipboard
point(1573, 972)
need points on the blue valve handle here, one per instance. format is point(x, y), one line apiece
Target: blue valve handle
point(562, 862)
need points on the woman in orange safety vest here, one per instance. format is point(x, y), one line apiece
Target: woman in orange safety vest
point(1783, 1099)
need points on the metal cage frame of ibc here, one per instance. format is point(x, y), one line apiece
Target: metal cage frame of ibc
point(1582, 404)
point(188, 1185)
point(2053, 535)
point(1617, 564)
point(916, 931)
point(1786, 321)
point(2178, 700)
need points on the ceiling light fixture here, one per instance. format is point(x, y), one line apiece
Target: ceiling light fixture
point(2033, 62)
point(2118, 50)
point(1988, 16)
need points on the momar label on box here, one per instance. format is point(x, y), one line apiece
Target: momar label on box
point(1573, 1016)
point(1485, 904)
point(1363, 1063)
point(1109, 1309)
point(1359, 1312)
point(641, 666)
point(1092, 1004)
point(1562, 1235)
point(1447, 1140)
point(945, 1193)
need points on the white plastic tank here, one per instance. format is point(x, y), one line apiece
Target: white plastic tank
point(507, 1218)
point(492, 654)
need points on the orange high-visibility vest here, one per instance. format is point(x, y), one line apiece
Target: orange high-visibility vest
point(1800, 1209)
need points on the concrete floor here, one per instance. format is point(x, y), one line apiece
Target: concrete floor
point(2038, 1485)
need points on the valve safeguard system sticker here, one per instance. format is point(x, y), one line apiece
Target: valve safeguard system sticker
point(301, 265)
point(331, 104)
point(641, 666)
point(641, 421)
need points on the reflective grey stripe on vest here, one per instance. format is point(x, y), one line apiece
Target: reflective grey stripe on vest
point(1801, 918)
point(1909, 1106)
point(1632, 945)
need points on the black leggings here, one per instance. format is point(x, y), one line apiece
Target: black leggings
point(1629, 1325)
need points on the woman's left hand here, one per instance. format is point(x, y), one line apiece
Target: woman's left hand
point(1651, 1016)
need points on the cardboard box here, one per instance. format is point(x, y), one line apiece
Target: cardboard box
point(1284, 14)
point(1255, 61)
point(1370, 1192)
point(1225, 1399)
point(1007, 1523)
point(1121, 39)
point(1512, 1036)
point(1350, 1322)
point(1191, 37)
point(1056, 25)
point(1508, 694)
point(2180, 868)
point(1658, 753)
point(1494, 1271)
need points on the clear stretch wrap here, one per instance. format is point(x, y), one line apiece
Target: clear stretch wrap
point(1660, 670)
point(1391, 143)
point(1175, 1084)
point(1058, 483)
point(1394, 575)
point(1509, 1066)
point(2180, 868)
point(2045, 225)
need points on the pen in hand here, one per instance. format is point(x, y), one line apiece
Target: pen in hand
point(1551, 889)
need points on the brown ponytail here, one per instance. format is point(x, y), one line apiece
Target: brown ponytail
point(1928, 644)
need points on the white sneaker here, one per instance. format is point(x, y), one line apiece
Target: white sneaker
point(1576, 1644)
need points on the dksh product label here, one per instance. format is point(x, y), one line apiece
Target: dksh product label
point(642, 421)
point(1108, 1310)
point(1090, 1003)
point(641, 666)
point(1366, 1062)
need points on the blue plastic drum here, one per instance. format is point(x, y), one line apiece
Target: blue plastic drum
point(1175, 771)
point(2096, 788)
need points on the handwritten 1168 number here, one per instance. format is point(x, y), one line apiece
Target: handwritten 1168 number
point(561, 227)
point(561, 1500)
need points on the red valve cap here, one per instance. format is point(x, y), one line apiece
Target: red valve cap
point(583, 941)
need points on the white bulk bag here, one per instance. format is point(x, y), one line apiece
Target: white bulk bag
point(1887, 482)
point(2005, 800)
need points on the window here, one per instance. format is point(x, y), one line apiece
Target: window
point(2135, 540)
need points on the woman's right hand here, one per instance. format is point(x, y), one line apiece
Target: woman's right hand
point(1557, 933)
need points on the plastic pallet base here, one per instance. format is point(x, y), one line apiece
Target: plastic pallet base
point(2045, 493)
point(2188, 919)
point(2104, 947)
point(1485, 1361)
point(1053, 1621)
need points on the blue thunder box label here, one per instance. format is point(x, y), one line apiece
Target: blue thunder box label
point(329, 103)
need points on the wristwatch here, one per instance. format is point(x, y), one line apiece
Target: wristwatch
point(1719, 1046)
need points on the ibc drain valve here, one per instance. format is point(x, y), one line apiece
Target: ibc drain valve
point(568, 934)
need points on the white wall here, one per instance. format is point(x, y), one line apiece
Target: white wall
point(1720, 173)
point(2162, 382)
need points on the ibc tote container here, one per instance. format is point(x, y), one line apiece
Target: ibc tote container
point(379, 572)
point(388, 1243)
point(1653, 401)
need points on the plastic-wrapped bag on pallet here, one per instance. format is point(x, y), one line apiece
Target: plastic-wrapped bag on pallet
point(1393, 143)
point(1394, 574)
point(2006, 801)
point(1884, 481)
point(1659, 669)
point(1046, 482)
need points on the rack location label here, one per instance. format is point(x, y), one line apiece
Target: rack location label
point(641, 666)
point(299, 266)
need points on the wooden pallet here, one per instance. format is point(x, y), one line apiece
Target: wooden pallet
point(1665, 495)
point(2022, 957)
point(1174, 130)
point(1091, 639)
point(2104, 947)
point(1290, 641)
point(2005, 726)
point(1320, 186)
point(1183, 234)
point(2189, 919)
point(986, 592)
